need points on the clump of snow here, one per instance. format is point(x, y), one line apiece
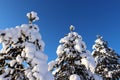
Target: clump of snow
point(60, 50)
point(19, 59)
point(55, 71)
point(74, 77)
point(51, 65)
point(80, 45)
point(110, 74)
point(99, 41)
point(77, 62)
point(88, 61)
point(64, 40)
point(12, 63)
point(32, 15)
point(72, 28)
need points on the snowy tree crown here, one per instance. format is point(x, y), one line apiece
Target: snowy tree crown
point(32, 16)
point(70, 42)
point(22, 56)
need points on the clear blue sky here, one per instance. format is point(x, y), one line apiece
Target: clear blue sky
point(90, 17)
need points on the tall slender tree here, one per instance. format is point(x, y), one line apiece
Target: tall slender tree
point(22, 55)
point(68, 64)
point(107, 60)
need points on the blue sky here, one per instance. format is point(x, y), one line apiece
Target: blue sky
point(90, 17)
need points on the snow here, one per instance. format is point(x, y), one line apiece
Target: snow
point(37, 68)
point(83, 45)
point(105, 58)
point(51, 65)
point(38, 76)
point(60, 50)
point(42, 45)
point(97, 77)
point(72, 28)
point(2, 77)
point(80, 45)
point(64, 40)
point(77, 62)
point(7, 70)
point(12, 63)
point(70, 35)
point(78, 48)
point(99, 41)
point(78, 41)
point(30, 55)
point(27, 71)
point(103, 51)
point(19, 59)
point(110, 74)
point(28, 38)
point(8, 34)
point(12, 71)
point(55, 71)
point(25, 28)
point(71, 46)
point(67, 50)
point(29, 75)
point(23, 54)
point(74, 77)
point(34, 15)
point(49, 76)
point(29, 50)
point(40, 55)
point(76, 34)
point(88, 61)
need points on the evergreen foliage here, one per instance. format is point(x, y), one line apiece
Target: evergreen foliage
point(107, 60)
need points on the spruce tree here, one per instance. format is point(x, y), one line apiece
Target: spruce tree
point(107, 60)
point(22, 55)
point(68, 64)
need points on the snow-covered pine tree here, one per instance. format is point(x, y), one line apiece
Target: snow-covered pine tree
point(68, 64)
point(107, 60)
point(22, 55)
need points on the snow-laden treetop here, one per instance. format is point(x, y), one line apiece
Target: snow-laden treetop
point(100, 44)
point(23, 46)
point(107, 60)
point(74, 60)
point(72, 28)
point(72, 38)
point(32, 16)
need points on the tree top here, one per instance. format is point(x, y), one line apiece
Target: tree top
point(32, 16)
point(72, 28)
point(99, 37)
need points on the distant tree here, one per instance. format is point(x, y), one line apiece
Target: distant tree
point(68, 65)
point(107, 60)
point(21, 56)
